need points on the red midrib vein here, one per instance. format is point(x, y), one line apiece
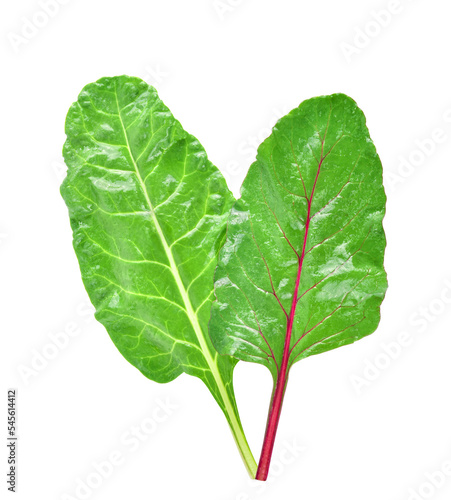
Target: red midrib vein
point(277, 399)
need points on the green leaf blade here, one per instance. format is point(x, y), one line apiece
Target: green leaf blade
point(319, 165)
point(148, 212)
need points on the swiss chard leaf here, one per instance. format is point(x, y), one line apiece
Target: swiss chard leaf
point(148, 212)
point(301, 271)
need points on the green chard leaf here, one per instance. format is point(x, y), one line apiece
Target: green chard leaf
point(148, 212)
point(301, 271)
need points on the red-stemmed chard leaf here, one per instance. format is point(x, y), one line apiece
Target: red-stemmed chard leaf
point(301, 271)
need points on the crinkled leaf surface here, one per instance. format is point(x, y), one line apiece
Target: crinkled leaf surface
point(301, 271)
point(148, 212)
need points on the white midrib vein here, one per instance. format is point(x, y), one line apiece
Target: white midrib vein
point(186, 300)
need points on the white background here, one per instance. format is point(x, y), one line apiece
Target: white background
point(227, 70)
